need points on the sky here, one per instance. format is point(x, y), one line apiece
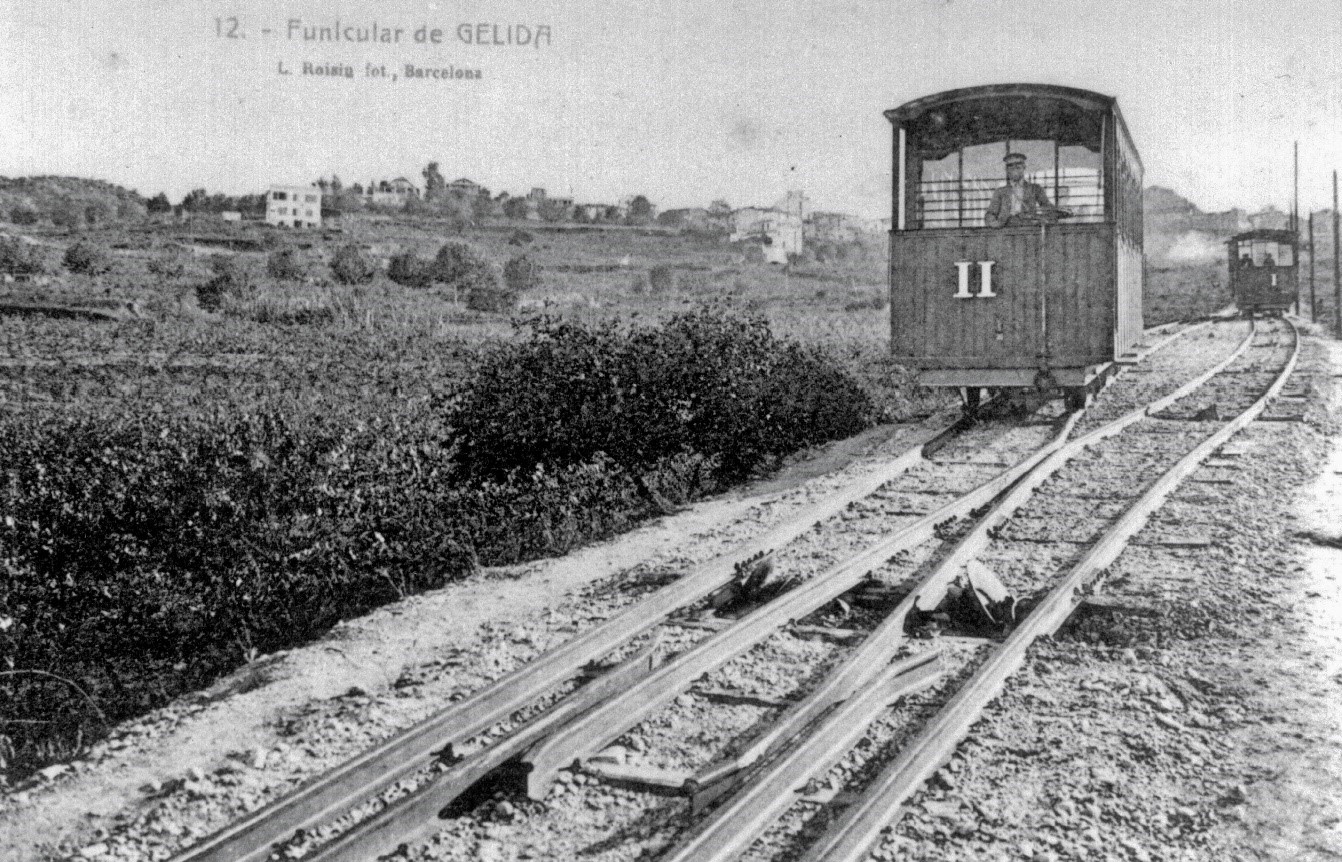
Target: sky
point(685, 101)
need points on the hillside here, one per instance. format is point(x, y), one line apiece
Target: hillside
point(1179, 233)
point(1185, 256)
point(67, 201)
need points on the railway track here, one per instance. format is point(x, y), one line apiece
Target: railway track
point(789, 691)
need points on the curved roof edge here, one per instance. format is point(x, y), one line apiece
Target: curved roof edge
point(1085, 98)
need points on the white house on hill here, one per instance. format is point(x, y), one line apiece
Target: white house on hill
point(294, 206)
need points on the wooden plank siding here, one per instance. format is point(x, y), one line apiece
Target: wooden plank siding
point(1129, 276)
point(1253, 287)
point(932, 329)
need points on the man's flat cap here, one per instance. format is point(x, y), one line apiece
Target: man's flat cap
point(1014, 158)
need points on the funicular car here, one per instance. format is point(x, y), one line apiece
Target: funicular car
point(1263, 273)
point(1034, 282)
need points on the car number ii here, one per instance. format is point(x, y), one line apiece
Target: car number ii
point(985, 279)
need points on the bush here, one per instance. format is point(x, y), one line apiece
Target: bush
point(285, 264)
point(168, 265)
point(24, 214)
point(471, 275)
point(410, 269)
point(87, 258)
point(521, 237)
point(145, 554)
point(485, 291)
point(351, 266)
point(456, 264)
point(136, 543)
point(232, 280)
point(521, 273)
point(662, 279)
point(21, 258)
point(705, 383)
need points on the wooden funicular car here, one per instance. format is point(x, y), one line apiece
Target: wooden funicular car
point(1263, 271)
point(1030, 282)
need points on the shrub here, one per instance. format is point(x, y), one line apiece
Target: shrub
point(410, 269)
point(485, 291)
point(144, 554)
point(169, 265)
point(721, 387)
point(351, 266)
point(21, 258)
point(471, 275)
point(457, 263)
point(521, 237)
point(232, 280)
point(87, 258)
point(662, 279)
point(23, 214)
point(521, 273)
point(285, 264)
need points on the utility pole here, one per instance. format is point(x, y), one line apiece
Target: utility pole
point(1313, 303)
point(1295, 199)
point(1337, 272)
point(1295, 216)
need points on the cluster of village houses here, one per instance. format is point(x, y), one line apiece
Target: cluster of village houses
point(781, 230)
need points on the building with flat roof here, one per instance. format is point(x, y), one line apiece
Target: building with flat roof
point(294, 206)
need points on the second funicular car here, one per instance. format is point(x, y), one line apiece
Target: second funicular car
point(1263, 276)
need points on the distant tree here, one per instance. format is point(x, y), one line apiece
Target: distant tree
point(521, 273)
point(434, 184)
point(24, 214)
point(159, 203)
point(87, 258)
point(552, 210)
point(410, 269)
point(68, 214)
point(351, 266)
point(515, 208)
point(286, 265)
point(254, 204)
point(454, 261)
point(196, 200)
point(169, 265)
point(356, 188)
point(640, 209)
point(336, 185)
point(21, 258)
point(231, 279)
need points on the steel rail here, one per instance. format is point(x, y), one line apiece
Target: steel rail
point(416, 815)
point(876, 650)
point(735, 826)
point(250, 839)
point(586, 736)
point(977, 539)
point(853, 835)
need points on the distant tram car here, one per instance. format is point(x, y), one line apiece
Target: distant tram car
point(1016, 239)
point(1263, 271)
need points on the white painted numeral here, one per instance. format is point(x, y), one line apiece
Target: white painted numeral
point(985, 279)
point(963, 292)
